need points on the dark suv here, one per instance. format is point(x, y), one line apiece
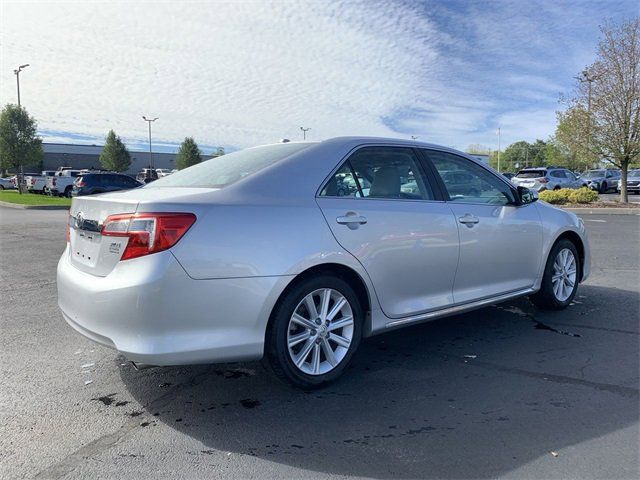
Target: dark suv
point(91, 183)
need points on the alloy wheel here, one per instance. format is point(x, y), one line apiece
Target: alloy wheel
point(564, 274)
point(320, 331)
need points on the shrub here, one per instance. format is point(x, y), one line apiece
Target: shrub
point(583, 195)
point(556, 197)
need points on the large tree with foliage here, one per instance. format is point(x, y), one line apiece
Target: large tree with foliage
point(189, 154)
point(520, 154)
point(603, 115)
point(20, 145)
point(115, 156)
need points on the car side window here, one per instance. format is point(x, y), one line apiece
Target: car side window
point(380, 172)
point(559, 174)
point(569, 175)
point(467, 182)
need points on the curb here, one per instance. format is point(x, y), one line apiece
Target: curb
point(605, 211)
point(33, 207)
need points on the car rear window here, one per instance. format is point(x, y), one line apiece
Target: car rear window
point(531, 173)
point(227, 169)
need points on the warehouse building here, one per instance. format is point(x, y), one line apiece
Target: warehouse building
point(88, 156)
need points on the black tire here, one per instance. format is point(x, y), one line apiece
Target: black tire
point(545, 298)
point(67, 192)
point(557, 187)
point(1, 187)
point(603, 187)
point(277, 356)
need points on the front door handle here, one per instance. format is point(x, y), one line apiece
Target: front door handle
point(469, 220)
point(351, 220)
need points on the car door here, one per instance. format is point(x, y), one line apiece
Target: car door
point(383, 210)
point(500, 243)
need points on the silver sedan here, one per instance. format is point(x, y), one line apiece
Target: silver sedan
point(296, 251)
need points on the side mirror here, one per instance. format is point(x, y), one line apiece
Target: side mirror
point(527, 196)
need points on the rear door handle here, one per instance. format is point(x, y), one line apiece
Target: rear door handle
point(469, 220)
point(352, 220)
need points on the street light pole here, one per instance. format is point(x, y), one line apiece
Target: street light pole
point(304, 132)
point(17, 73)
point(20, 170)
point(149, 120)
point(585, 77)
point(498, 148)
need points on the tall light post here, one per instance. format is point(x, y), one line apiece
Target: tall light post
point(498, 133)
point(149, 121)
point(17, 73)
point(21, 170)
point(304, 132)
point(586, 77)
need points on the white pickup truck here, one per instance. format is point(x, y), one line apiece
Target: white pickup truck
point(38, 183)
point(62, 182)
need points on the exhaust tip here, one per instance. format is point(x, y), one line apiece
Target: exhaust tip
point(142, 366)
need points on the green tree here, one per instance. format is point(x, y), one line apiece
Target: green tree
point(115, 156)
point(604, 113)
point(20, 145)
point(188, 154)
point(571, 136)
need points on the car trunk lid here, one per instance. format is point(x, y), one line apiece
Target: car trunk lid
point(98, 254)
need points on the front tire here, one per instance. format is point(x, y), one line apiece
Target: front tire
point(314, 332)
point(562, 274)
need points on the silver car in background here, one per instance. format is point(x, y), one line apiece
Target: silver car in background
point(265, 253)
point(547, 178)
point(633, 182)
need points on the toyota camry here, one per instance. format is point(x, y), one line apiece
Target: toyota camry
point(294, 252)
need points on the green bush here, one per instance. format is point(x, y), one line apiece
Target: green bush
point(556, 197)
point(568, 195)
point(583, 195)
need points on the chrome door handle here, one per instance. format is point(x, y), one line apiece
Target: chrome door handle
point(351, 219)
point(469, 220)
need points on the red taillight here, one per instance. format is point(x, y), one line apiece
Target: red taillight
point(543, 180)
point(81, 184)
point(148, 232)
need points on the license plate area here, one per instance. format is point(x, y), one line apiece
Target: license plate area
point(86, 247)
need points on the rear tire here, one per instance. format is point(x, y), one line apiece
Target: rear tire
point(562, 274)
point(309, 345)
point(67, 192)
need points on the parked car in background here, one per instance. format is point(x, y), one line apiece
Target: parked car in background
point(7, 183)
point(92, 183)
point(62, 182)
point(509, 175)
point(546, 178)
point(175, 272)
point(38, 183)
point(147, 175)
point(633, 182)
point(163, 172)
point(601, 180)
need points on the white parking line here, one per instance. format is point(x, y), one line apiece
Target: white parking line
point(597, 221)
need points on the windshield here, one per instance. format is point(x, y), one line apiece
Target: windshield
point(634, 174)
point(593, 174)
point(531, 173)
point(227, 169)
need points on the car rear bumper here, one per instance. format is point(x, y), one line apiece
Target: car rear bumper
point(154, 313)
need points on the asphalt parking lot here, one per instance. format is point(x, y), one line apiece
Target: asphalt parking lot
point(506, 391)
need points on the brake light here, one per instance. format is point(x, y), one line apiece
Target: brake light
point(543, 180)
point(148, 232)
point(80, 184)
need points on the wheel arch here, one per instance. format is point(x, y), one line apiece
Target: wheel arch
point(574, 238)
point(335, 269)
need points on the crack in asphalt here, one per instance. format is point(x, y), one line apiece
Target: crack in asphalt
point(626, 392)
point(107, 441)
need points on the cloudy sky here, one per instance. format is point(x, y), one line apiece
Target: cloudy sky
point(243, 73)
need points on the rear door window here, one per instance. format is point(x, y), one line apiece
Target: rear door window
point(382, 173)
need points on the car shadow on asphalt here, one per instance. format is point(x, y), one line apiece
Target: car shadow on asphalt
point(475, 395)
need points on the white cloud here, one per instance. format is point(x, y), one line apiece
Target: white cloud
point(247, 72)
